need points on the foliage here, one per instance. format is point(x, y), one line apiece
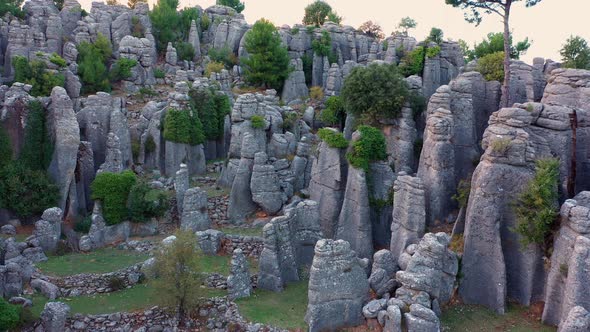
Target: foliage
point(211, 107)
point(93, 61)
point(268, 61)
point(334, 113)
point(372, 29)
point(431, 52)
point(491, 66)
point(223, 55)
point(205, 22)
point(116, 283)
point(132, 3)
point(375, 91)
point(575, 53)
point(332, 138)
point(495, 43)
point(307, 68)
point(169, 25)
point(137, 28)
point(213, 67)
point(112, 189)
point(413, 62)
point(185, 51)
point(477, 7)
point(536, 207)
point(26, 192)
point(147, 91)
point(83, 225)
point(323, 47)
point(122, 69)
point(318, 12)
point(145, 203)
point(57, 60)
point(183, 126)
point(316, 93)
point(235, 4)
point(436, 35)
point(150, 144)
point(463, 190)
point(289, 120)
point(37, 149)
point(159, 73)
point(5, 147)
point(368, 148)
point(9, 315)
point(406, 24)
point(36, 74)
point(257, 122)
point(13, 7)
point(179, 278)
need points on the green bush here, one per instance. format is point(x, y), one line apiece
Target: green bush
point(318, 12)
point(368, 148)
point(57, 60)
point(159, 73)
point(135, 149)
point(183, 126)
point(150, 144)
point(431, 52)
point(205, 22)
point(223, 55)
point(9, 315)
point(5, 147)
point(463, 191)
point(112, 189)
point(213, 67)
point(257, 122)
point(147, 92)
point(413, 62)
point(268, 63)
point(289, 120)
point(537, 206)
point(26, 192)
point(491, 66)
point(375, 91)
point(211, 107)
point(145, 203)
point(122, 69)
point(235, 4)
point(37, 149)
point(36, 74)
point(137, 29)
point(185, 51)
point(13, 7)
point(307, 68)
point(93, 65)
point(170, 25)
point(575, 53)
point(334, 113)
point(332, 138)
point(83, 225)
point(436, 35)
point(494, 44)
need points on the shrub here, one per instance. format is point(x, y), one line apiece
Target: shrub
point(413, 62)
point(211, 107)
point(332, 138)
point(501, 145)
point(36, 74)
point(491, 66)
point(93, 63)
point(223, 55)
point(13, 7)
point(145, 203)
point(268, 63)
point(375, 91)
point(116, 283)
point(537, 207)
point(431, 52)
point(83, 225)
point(147, 92)
point(57, 60)
point(316, 93)
point(122, 69)
point(183, 126)
point(289, 120)
point(294, 31)
point(5, 147)
point(150, 144)
point(436, 35)
point(257, 122)
point(26, 192)
point(235, 4)
point(463, 191)
point(185, 51)
point(318, 12)
point(334, 113)
point(137, 29)
point(322, 46)
point(9, 315)
point(135, 148)
point(159, 73)
point(307, 68)
point(205, 22)
point(368, 148)
point(112, 189)
point(372, 29)
point(213, 67)
point(37, 149)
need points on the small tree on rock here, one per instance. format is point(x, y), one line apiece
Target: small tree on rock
point(436, 35)
point(372, 29)
point(318, 12)
point(406, 24)
point(575, 53)
point(235, 4)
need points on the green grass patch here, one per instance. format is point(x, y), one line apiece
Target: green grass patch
point(216, 191)
point(130, 299)
point(17, 237)
point(470, 318)
point(221, 264)
point(250, 231)
point(285, 309)
point(99, 261)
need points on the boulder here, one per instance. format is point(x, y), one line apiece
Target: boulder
point(209, 241)
point(53, 316)
point(265, 185)
point(194, 211)
point(421, 319)
point(578, 320)
point(238, 282)
point(46, 288)
point(382, 278)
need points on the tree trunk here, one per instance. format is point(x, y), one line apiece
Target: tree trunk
point(506, 85)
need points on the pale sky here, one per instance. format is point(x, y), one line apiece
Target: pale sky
point(548, 24)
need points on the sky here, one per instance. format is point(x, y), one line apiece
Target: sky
point(548, 24)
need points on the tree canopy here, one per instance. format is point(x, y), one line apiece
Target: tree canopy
point(235, 4)
point(406, 24)
point(372, 29)
point(318, 12)
point(575, 53)
point(495, 43)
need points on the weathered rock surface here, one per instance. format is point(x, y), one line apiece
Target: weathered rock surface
point(53, 316)
point(382, 278)
point(578, 320)
point(409, 217)
point(238, 282)
point(194, 211)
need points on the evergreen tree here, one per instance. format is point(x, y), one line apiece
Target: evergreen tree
point(575, 53)
point(318, 12)
point(37, 150)
point(268, 62)
point(93, 63)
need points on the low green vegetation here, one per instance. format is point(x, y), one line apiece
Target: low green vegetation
point(250, 231)
point(470, 318)
point(12, 7)
point(334, 113)
point(220, 264)
point(223, 55)
point(537, 207)
point(323, 47)
point(257, 122)
point(37, 150)
point(99, 261)
point(9, 315)
point(491, 66)
point(122, 69)
point(368, 148)
point(145, 203)
point(185, 51)
point(183, 126)
point(211, 106)
point(36, 74)
point(112, 189)
point(213, 67)
point(93, 60)
point(57, 60)
point(285, 309)
point(463, 191)
point(159, 73)
point(332, 138)
point(170, 25)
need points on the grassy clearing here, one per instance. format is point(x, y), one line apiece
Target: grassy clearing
point(130, 299)
point(221, 264)
point(17, 237)
point(99, 261)
point(216, 191)
point(469, 318)
point(285, 310)
point(250, 231)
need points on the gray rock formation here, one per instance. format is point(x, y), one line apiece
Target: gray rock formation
point(421, 319)
point(382, 278)
point(578, 320)
point(101, 234)
point(437, 167)
point(141, 50)
point(86, 173)
point(181, 185)
point(338, 287)
point(265, 185)
point(381, 192)
point(194, 211)
point(48, 230)
point(194, 40)
point(238, 282)
point(53, 316)
point(442, 68)
point(46, 288)
point(113, 162)
point(409, 216)
point(295, 87)
point(13, 280)
point(522, 84)
point(209, 241)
